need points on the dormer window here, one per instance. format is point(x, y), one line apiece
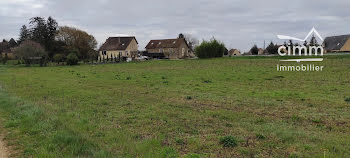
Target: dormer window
point(152, 43)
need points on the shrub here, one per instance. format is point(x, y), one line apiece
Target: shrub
point(228, 141)
point(72, 59)
point(58, 58)
point(210, 49)
point(29, 51)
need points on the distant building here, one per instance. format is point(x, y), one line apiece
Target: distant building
point(260, 52)
point(337, 44)
point(9, 53)
point(115, 47)
point(6, 50)
point(168, 48)
point(234, 52)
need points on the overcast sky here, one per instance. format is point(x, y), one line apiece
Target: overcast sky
point(237, 23)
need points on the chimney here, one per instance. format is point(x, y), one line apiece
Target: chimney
point(181, 35)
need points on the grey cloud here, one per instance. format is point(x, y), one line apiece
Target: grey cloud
point(239, 24)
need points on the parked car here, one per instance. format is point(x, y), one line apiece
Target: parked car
point(142, 58)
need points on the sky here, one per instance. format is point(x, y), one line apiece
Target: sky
point(238, 23)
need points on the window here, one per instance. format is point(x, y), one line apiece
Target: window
point(104, 52)
point(127, 53)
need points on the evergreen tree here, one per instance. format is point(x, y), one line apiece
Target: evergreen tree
point(313, 41)
point(12, 43)
point(44, 32)
point(272, 48)
point(254, 50)
point(24, 34)
point(38, 30)
point(51, 28)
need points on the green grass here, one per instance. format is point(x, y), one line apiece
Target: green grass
point(177, 109)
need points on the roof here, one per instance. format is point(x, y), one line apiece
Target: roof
point(233, 50)
point(166, 43)
point(335, 42)
point(117, 43)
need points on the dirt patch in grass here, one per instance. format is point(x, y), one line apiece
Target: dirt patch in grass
point(4, 152)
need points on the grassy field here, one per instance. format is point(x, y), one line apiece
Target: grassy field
point(177, 109)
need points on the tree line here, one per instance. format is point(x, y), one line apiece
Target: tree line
point(272, 48)
point(44, 40)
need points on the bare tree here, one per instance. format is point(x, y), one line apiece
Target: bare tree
point(191, 41)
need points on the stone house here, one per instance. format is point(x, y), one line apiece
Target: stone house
point(168, 48)
point(234, 52)
point(260, 51)
point(337, 44)
point(115, 47)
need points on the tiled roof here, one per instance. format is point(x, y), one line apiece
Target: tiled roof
point(335, 42)
point(165, 43)
point(116, 43)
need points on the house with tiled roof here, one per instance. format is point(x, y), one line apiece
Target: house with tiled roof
point(168, 48)
point(119, 47)
point(337, 44)
point(6, 50)
point(234, 52)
